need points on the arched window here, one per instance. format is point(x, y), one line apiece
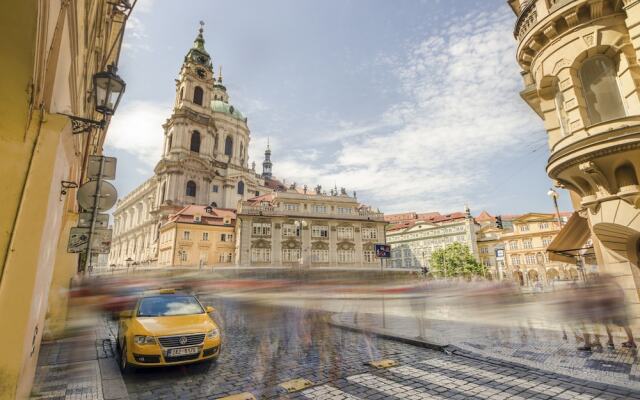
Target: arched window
point(169, 143)
point(240, 188)
point(198, 94)
point(563, 117)
point(181, 93)
point(242, 152)
point(228, 146)
point(601, 91)
point(195, 141)
point(191, 189)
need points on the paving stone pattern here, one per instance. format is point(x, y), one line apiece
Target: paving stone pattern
point(539, 348)
point(267, 346)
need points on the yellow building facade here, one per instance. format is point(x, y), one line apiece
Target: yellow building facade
point(50, 51)
point(580, 64)
point(525, 251)
point(198, 236)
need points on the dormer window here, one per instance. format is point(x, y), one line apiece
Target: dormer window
point(197, 219)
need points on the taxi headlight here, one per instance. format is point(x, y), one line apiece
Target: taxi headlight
point(212, 333)
point(144, 339)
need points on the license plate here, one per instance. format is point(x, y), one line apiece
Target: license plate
point(183, 352)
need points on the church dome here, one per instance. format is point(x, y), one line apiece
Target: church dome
point(221, 106)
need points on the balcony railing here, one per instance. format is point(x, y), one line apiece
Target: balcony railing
point(526, 20)
point(276, 212)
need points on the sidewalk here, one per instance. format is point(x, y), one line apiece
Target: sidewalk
point(80, 367)
point(537, 348)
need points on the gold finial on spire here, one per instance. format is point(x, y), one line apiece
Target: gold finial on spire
point(201, 26)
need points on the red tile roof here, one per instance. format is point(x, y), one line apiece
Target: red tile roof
point(485, 216)
point(215, 217)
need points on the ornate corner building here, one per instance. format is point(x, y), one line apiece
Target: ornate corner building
point(204, 161)
point(580, 65)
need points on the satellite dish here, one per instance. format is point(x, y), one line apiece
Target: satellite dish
point(87, 193)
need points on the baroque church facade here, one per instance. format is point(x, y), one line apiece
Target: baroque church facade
point(204, 162)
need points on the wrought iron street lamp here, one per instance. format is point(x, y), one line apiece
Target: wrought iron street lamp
point(108, 88)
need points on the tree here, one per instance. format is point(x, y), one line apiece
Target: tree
point(455, 260)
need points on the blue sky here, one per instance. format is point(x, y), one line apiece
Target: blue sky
point(413, 104)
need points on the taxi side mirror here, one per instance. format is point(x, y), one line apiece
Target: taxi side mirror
point(210, 309)
point(126, 314)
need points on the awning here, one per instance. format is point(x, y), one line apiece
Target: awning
point(571, 240)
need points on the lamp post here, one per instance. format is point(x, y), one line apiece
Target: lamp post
point(554, 196)
point(300, 224)
point(128, 261)
point(108, 88)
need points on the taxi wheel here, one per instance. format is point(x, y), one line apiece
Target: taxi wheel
point(125, 367)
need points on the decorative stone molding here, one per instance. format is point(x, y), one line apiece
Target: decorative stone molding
point(550, 31)
point(595, 177)
point(572, 19)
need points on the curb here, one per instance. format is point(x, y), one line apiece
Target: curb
point(445, 348)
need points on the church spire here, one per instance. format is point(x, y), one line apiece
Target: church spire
point(198, 54)
point(266, 164)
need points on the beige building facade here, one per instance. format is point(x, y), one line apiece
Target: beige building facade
point(308, 230)
point(198, 236)
point(526, 259)
point(413, 240)
point(204, 162)
point(581, 73)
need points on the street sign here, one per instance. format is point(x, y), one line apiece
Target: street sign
point(108, 170)
point(102, 220)
point(79, 240)
point(87, 194)
point(383, 250)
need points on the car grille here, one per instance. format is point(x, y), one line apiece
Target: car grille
point(174, 341)
point(182, 358)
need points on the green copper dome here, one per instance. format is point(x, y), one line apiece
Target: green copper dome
point(221, 106)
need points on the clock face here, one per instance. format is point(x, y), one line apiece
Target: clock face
point(201, 72)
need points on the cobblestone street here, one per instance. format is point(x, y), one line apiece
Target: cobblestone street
point(265, 347)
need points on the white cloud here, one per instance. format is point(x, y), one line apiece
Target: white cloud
point(462, 108)
point(137, 129)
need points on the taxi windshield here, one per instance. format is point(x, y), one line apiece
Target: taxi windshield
point(159, 306)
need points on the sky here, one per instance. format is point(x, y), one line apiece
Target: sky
point(413, 104)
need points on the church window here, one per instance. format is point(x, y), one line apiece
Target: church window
point(228, 146)
point(214, 188)
point(198, 95)
point(241, 188)
point(163, 189)
point(601, 91)
point(195, 141)
point(191, 189)
point(169, 143)
point(181, 93)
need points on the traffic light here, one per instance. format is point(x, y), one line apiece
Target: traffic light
point(499, 222)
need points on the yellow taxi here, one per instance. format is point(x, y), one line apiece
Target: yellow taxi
point(167, 328)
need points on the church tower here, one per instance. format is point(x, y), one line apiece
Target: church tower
point(205, 156)
point(266, 164)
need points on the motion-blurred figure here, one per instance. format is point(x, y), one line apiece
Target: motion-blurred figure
point(603, 304)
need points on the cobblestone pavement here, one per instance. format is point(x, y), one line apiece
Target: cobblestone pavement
point(539, 348)
point(80, 367)
point(264, 347)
